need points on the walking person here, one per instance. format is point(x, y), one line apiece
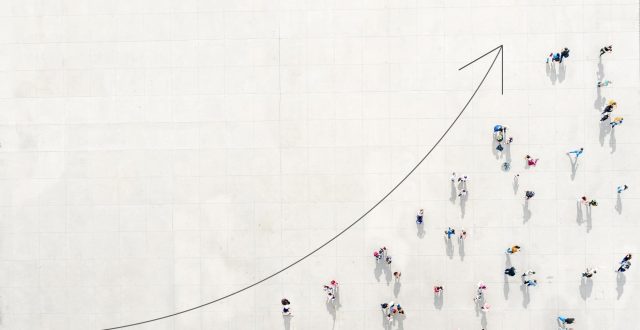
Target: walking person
point(604, 83)
point(453, 177)
point(462, 193)
point(584, 201)
point(564, 54)
point(529, 194)
point(530, 282)
point(606, 49)
point(622, 188)
point(611, 105)
point(449, 232)
point(510, 271)
point(626, 258)
point(329, 290)
point(463, 235)
point(419, 216)
point(624, 267)
point(513, 249)
point(593, 202)
point(566, 320)
point(286, 307)
point(531, 161)
point(397, 275)
point(589, 272)
point(616, 121)
point(437, 290)
point(576, 152)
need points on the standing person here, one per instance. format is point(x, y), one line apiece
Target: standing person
point(529, 194)
point(576, 152)
point(510, 271)
point(606, 49)
point(589, 272)
point(566, 320)
point(513, 249)
point(437, 290)
point(397, 275)
point(622, 188)
point(449, 232)
point(419, 216)
point(564, 54)
point(286, 307)
point(531, 161)
point(616, 121)
point(463, 234)
point(604, 83)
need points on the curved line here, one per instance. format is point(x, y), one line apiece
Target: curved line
point(340, 233)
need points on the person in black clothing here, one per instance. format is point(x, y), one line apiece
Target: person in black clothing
point(606, 49)
point(564, 54)
point(510, 271)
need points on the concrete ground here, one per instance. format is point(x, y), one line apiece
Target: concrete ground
point(159, 154)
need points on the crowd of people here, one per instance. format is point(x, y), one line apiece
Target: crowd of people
point(460, 182)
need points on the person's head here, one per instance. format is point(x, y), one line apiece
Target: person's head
point(581, 149)
point(527, 156)
point(517, 247)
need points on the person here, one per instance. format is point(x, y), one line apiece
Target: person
point(449, 232)
point(616, 121)
point(626, 258)
point(605, 117)
point(485, 307)
point(388, 260)
point(510, 271)
point(513, 249)
point(529, 272)
point(529, 194)
point(453, 177)
point(481, 286)
point(622, 188)
point(437, 290)
point(463, 234)
point(397, 275)
point(531, 161)
point(463, 179)
point(419, 216)
point(377, 255)
point(286, 307)
point(604, 83)
point(606, 49)
point(576, 152)
point(331, 297)
point(564, 54)
point(611, 105)
point(593, 202)
point(566, 320)
point(624, 267)
point(531, 282)
point(589, 272)
point(555, 57)
point(584, 200)
point(400, 310)
point(462, 193)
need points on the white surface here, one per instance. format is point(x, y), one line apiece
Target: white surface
point(157, 155)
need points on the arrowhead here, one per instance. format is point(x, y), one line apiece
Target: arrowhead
point(500, 50)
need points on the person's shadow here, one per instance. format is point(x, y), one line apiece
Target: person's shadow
point(526, 212)
point(600, 73)
point(400, 319)
point(562, 72)
point(589, 222)
point(516, 184)
point(331, 308)
point(605, 128)
point(574, 165)
point(449, 247)
point(463, 204)
point(494, 146)
point(385, 322)
point(551, 72)
point(579, 218)
point(461, 252)
point(586, 286)
point(454, 193)
point(421, 232)
point(525, 295)
point(612, 140)
point(621, 279)
point(438, 300)
point(396, 288)
point(378, 270)
point(287, 321)
point(505, 287)
point(619, 204)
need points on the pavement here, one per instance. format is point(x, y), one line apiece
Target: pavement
point(157, 155)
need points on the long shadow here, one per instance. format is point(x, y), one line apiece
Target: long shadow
point(483, 320)
point(463, 204)
point(526, 213)
point(621, 279)
point(387, 273)
point(619, 204)
point(331, 308)
point(600, 73)
point(378, 270)
point(449, 247)
point(605, 128)
point(505, 287)
point(494, 145)
point(574, 166)
point(589, 222)
point(525, 295)
point(579, 217)
point(515, 184)
point(562, 72)
point(420, 233)
point(454, 193)
point(396, 288)
point(400, 319)
point(507, 153)
point(612, 140)
point(586, 286)
point(287, 322)
point(461, 252)
point(438, 300)
point(551, 72)
point(386, 325)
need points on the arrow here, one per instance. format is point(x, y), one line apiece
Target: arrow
point(501, 53)
point(348, 227)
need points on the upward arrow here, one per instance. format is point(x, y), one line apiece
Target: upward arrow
point(500, 50)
